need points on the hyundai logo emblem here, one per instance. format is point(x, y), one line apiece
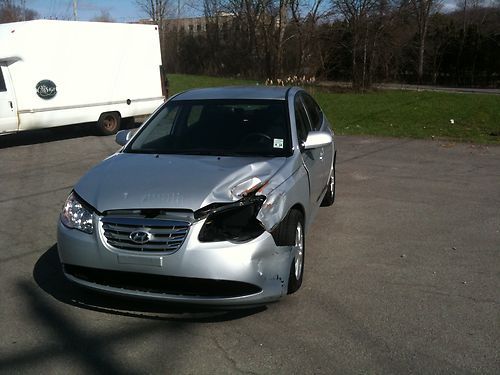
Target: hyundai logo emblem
point(140, 236)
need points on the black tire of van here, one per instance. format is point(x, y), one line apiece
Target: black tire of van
point(109, 123)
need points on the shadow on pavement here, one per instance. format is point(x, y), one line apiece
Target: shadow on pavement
point(32, 137)
point(49, 277)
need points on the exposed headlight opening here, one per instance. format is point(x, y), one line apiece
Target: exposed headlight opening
point(235, 222)
point(76, 215)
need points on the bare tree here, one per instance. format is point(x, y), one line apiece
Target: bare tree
point(249, 15)
point(356, 13)
point(12, 12)
point(156, 9)
point(280, 24)
point(422, 10)
point(103, 17)
point(306, 16)
point(213, 11)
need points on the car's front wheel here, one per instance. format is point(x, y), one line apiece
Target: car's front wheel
point(298, 252)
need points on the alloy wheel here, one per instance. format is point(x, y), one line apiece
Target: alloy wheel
point(299, 250)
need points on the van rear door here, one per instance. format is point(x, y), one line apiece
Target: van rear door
point(8, 107)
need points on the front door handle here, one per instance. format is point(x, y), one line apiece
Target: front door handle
point(11, 105)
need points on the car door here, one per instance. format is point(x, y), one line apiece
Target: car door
point(311, 158)
point(318, 123)
point(8, 109)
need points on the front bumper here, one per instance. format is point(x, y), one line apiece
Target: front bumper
point(254, 272)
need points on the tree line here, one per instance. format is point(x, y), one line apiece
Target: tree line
point(360, 41)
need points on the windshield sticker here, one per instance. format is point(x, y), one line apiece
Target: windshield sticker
point(278, 143)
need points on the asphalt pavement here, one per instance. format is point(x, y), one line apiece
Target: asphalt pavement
point(401, 274)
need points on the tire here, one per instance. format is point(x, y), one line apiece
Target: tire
point(109, 123)
point(329, 197)
point(296, 229)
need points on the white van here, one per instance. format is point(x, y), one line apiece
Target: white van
point(55, 73)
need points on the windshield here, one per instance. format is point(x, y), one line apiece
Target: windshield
point(217, 127)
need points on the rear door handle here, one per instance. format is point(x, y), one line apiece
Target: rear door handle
point(11, 105)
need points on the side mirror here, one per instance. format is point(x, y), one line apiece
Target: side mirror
point(123, 136)
point(317, 139)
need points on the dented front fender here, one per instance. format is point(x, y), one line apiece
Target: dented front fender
point(280, 199)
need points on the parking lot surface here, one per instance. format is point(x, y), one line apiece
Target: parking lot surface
point(401, 274)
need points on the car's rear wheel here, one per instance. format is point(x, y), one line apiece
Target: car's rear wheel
point(329, 197)
point(109, 123)
point(296, 227)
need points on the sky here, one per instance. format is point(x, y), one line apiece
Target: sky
point(118, 10)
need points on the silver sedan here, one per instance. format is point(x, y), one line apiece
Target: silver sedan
point(207, 203)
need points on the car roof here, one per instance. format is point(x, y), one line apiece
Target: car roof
point(235, 92)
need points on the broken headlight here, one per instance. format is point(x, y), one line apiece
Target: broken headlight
point(77, 215)
point(235, 222)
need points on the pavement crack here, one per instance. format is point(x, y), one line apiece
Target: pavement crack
point(35, 194)
point(225, 353)
point(233, 362)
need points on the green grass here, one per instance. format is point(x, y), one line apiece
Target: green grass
point(393, 113)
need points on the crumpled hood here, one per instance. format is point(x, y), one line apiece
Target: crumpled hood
point(132, 181)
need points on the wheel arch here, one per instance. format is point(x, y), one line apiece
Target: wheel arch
point(279, 233)
point(299, 207)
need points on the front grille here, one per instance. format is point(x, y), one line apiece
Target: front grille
point(172, 285)
point(164, 235)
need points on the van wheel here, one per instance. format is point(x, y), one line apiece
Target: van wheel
point(109, 123)
point(296, 229)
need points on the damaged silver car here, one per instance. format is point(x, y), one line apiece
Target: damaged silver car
point(208, 202)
